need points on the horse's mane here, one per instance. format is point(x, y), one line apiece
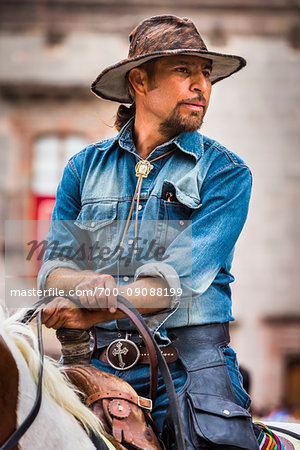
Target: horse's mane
point(55, 384)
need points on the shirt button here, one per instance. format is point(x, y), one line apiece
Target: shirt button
point(181, 222)
point(225, 411)
point(140, 207)
point(126, 278)
point(130, 241)
point(93, 224)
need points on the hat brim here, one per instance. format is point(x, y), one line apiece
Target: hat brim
point(111, 83)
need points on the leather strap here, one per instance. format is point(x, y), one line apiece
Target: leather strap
point(285, 431)
point(164, 370)
point(143, 402)
point(148, 340)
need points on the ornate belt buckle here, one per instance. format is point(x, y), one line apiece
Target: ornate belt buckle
point(122, 354)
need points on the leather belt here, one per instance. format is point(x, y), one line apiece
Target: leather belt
point(122, 354)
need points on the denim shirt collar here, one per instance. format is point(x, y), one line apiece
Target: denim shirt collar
point(190, 143)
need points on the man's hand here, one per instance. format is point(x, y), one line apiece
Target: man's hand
point(63, 313)
point(98, 291)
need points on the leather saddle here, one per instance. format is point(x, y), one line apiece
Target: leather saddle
point(125, 416)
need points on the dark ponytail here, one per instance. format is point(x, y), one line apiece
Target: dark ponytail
point(123, 115)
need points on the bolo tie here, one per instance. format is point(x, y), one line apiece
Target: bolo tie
point(142, 170)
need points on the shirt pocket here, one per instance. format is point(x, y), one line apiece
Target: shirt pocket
point(178, 203)
point(98, 219)
point(176, 207)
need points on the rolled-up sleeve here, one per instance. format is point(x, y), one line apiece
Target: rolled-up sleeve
point(165, 271)
point(168, 273)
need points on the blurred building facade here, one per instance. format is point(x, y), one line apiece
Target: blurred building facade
point(50, 51)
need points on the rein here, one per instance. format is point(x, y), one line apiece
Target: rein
point(283, 430)
point(13, 440)
point(164, 369)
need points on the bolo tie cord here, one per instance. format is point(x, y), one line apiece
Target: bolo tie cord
point(142, 169)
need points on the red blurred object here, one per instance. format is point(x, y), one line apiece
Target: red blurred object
point(44, 207)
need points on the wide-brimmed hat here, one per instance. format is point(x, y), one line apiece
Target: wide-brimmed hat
point(161, 36)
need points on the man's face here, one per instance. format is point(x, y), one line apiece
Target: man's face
point(179, 93)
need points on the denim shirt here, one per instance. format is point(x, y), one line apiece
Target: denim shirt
point(211, 189)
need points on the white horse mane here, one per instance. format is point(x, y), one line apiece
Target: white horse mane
point(55, 383)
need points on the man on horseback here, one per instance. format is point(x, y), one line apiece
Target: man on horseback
point(161, 164)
